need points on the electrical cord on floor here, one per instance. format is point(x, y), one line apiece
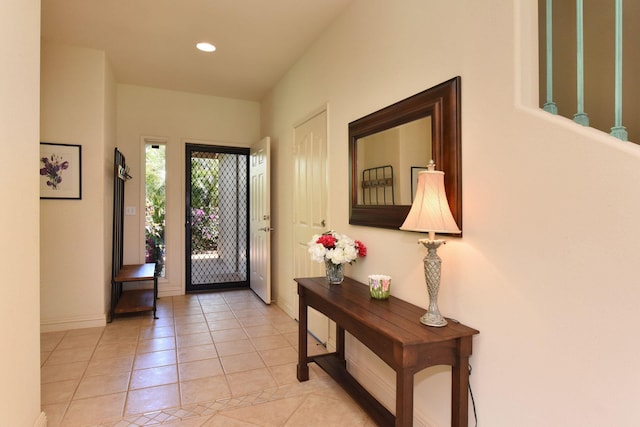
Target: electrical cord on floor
point(473, 401)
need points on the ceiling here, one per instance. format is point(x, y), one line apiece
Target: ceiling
point(152, 42)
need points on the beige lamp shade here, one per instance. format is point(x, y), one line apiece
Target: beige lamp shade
point(430, 210)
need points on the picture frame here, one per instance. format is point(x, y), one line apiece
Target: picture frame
point(60, 171)
point(414, 180)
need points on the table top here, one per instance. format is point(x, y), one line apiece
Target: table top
point(394, 319)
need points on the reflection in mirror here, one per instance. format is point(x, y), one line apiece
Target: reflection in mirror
point(388, 159)
point(388, 148)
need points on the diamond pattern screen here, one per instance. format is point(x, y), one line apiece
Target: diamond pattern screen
point(218, 224)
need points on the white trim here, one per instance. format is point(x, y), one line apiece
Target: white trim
point(313, 113)
point(170, 291)
point(384, 392)
point(75, 322)
point(41, 421)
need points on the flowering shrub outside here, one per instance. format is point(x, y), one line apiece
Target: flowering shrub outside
point(335, 248)
point(155, 203)
point(204, 229)
point(154, 232)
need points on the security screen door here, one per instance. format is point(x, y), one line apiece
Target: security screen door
point(217, 221)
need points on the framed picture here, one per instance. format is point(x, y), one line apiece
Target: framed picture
point(414, 180)
point(60, 171)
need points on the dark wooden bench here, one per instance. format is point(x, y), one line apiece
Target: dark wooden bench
point(127, 301)
point(133, 301)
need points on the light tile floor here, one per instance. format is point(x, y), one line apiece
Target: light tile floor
point(217, 359)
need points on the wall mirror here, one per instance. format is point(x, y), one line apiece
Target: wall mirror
point(389, 147)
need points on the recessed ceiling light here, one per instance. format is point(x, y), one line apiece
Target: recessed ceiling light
point(206, 47)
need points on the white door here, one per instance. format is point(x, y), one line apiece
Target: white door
point(310, 205)
point(260, 220)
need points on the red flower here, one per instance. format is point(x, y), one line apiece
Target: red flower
point(327, 240)
point(362, 249)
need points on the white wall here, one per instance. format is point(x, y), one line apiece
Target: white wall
point(77, 101)
point(108, 170)
point(547, 267)
point(178, 117)
point(19, 252)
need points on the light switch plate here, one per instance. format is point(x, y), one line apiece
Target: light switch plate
point(130, 210)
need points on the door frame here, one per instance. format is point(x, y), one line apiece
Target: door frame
point(189, 148)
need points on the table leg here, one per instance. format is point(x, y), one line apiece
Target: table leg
point(155, 295)
point(404, 398)
point(340, 344)
point(460, 385)
point(303, 367)
point(114, 296)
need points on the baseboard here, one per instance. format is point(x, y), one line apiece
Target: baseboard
point(384, 392)
point(41, 421)
point(372, 381)
point(167, 291)
point(337, 371)
point(75, 322)
point(287, 308)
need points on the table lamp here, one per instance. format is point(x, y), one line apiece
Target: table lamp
point(430, 213)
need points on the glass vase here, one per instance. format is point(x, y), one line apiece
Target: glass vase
point(335, 272)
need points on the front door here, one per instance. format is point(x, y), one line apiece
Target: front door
point(217, 224)
point(260, 220)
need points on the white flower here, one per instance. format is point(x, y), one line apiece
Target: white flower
point(317, 252)
point(337, 256)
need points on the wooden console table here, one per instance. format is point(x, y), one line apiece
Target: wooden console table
point(392, 330)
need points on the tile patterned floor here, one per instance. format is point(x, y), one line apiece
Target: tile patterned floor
point(218, 359)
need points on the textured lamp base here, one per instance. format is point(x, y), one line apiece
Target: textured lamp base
point(433, 319)
point(432, 264)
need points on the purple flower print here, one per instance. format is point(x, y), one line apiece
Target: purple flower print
point(52, 168)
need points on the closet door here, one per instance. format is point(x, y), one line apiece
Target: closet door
point(310, 207)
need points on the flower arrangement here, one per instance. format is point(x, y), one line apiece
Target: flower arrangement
point(331, 247)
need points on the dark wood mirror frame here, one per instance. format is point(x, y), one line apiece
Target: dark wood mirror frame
point(442, 103)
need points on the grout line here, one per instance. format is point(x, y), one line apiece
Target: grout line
point(255, 398)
